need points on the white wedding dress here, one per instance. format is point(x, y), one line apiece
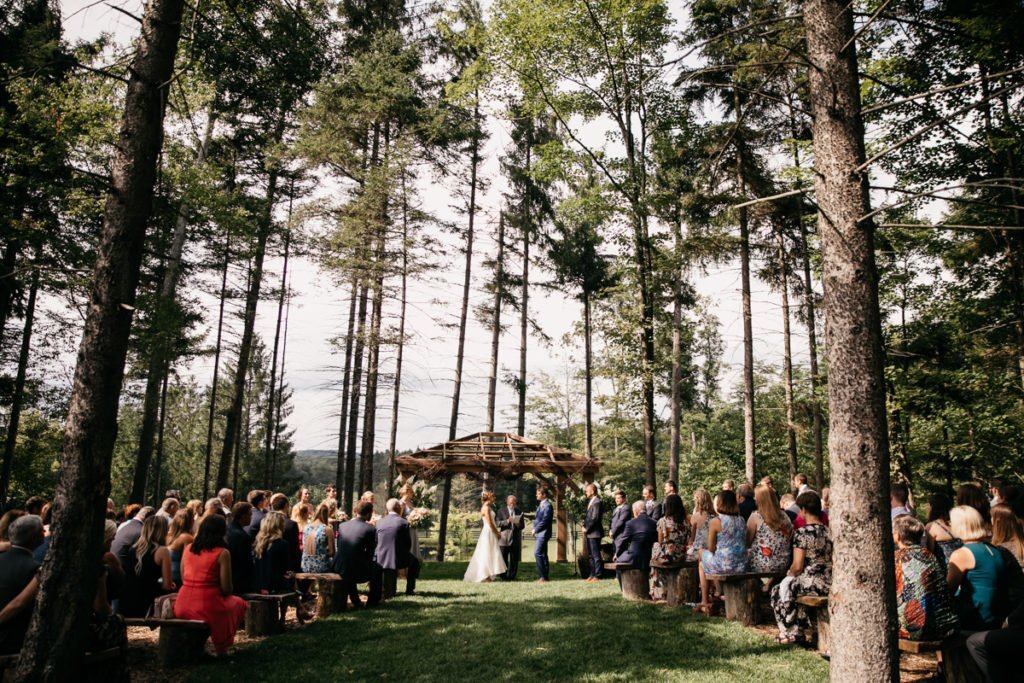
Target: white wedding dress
point(487, 560)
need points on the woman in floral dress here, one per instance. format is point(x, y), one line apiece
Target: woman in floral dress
point(673, 531)
point(769, 534)
point(810, 573)
point(318, 542)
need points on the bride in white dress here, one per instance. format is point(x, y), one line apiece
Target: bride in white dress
point(487, 560)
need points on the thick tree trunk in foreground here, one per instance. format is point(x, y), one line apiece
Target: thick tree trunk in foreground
point(862, 600)
point(56, 636)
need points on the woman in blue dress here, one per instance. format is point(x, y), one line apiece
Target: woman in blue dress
point(727, 546)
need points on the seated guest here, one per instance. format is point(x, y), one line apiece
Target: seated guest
point(212, 507)
point(703, 513)
point(973, 496)
point(637, 541)
point(271, 552)
point(394, 545)
point(728, 485)
point(240, 547)
point(301, 514)
point(788, 504)
point(318, 542)
point(997, 652)
point(197, 508)
point(129, 513)
point(1007, 532)
point(977, 572)
point(939, 538)
point(620, 515)
point(18, 582)
point(106, 630)
point(35, 505)
point(369, 497)
point(826, 495)
point(997, 489)
point(111, 509)
point(745, 500)
point(113, 573)
point(727, 546)
point(357, 543)
point(179, 535)
point(769, 534)
point(810, 573)
point(169, 508)
point(44, 547)
point(923, 602)
point(148, 573)
point(5, 525)
point(292, 531)
point(128, 535)
point(899, 494)
point(259, 502)
point(206, 592)
point(670, 548)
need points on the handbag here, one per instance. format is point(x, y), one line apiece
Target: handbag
point(163, 606)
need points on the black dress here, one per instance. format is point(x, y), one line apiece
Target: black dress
point(141, 585)
point(269, 570)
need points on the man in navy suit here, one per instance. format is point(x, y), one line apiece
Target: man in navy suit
point(620, 516)
point(594, 529)
point(635, 544)
point(354, 559)
point(394, 545)
point(542, 533)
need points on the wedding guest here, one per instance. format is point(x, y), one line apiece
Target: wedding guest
point(394, 545)
point(997, 491)
point(128, 535)
point(148, 573)
point(196, 507)
point(1007, 532)
point(788, 504)
point(976, 572)
point(800, 483)
point(997, 652)
point(924, 605)
point(258, 501)
point(542, 533)
point(703, 513)
point(107, 630)
point(111, 510)
point(179, 535)
point(939, 538)
point(35, 504)
point(206, 593)
point(239, 544)
point(637, 541)
point(620, 516)
point(168, 509)
point(369, 497)
point(510, 538)
point(331, 493)
point(670, 548)
point(357, 543)
point(972, 495)
point(826, 496)
point(112, 570)
point(767, 481)
point(304, 495)
point(407, 495)
point(18, 582)
point(652, 507)
point(227, 500)
point(727, 546)
point(769, 534)
point(318, 542)
point(669, 488)
point(728, 485)
point(44, 547)
point(899, 494)
point(745, 500)
point(271, 554)
point(130, 511)
point(5, 524)
point(292, 531)
point(593, 527)
point(809, 574)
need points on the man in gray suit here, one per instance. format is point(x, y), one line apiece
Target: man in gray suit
point(510, 525)
point(394, 545)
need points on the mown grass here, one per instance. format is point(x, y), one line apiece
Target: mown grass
point(561, 631)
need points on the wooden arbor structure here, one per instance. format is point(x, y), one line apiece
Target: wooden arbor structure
point(503, 456)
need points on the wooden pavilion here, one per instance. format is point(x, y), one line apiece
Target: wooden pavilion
point(505, 456)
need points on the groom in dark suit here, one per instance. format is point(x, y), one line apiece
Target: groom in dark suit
point(542, 533)
point(594, 529)
point(357, 544)
point(511, 540)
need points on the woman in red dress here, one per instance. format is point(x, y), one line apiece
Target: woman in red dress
point(206, 593)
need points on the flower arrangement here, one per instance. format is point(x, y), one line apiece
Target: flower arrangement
point(420, 518)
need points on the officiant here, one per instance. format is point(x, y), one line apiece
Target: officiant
point(510, 525)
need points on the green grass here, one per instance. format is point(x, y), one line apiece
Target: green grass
point(560, 631)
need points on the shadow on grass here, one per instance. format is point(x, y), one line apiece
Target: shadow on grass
point(564, 630)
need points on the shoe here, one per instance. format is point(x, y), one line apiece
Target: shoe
point(541, 581)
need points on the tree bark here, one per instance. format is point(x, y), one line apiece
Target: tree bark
point(524, 303)
point(393, 441)
point(862, 600)
point(812, 348)
point(56, 636)
point(353, 409)
point(158, 466)
point(787, 361)
point(749, 427)
point(339, 477)
point(269, 455)
point(216, 368)
point(373, 363)
point(677, 349)
point(588, 380)
point(499, 279)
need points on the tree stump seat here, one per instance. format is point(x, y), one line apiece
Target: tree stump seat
point(181, 640)
point(264, 614)
point(682, 582)
point(822, 628)
point(742, 594)
point(633, 581)
point(329, 598)
point(389, 584)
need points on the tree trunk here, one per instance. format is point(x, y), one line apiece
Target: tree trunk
point(588, 380)
point(8, 285)
point(339, 477)
point(373, 365)
point(19, 386)
point(393, 441)
point(524, 302)
point(168, 330)
point(787, 361)
point(862, 601)
point(216, 369)
point(749, 429)
point(158, 467)
point(499, 279)
point(353, 409)
point(280, 384)
point(269, 455)
point(812, 348)
point(677, 349)
point(55, 640)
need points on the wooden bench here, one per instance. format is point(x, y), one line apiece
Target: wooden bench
point(181, 640)
point(102, 665)
point(682, 582)
point(957, 664)
point(633, 581)
point(819, 603)
point(742, 593)
point(264, 614)
point(329, 598)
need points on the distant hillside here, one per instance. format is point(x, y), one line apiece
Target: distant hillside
point(316, 454)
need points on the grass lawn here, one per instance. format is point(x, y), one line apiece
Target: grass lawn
point(522, 631)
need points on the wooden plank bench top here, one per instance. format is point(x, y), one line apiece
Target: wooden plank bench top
point(326, 576)
point(746, 575)
point(816, 601)
point(917, 647)
point(269, 597)
point(684, 564)
point(153, 622)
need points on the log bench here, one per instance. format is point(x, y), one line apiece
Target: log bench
point(819, 604)
point(101, 665)
point(389, 584)
point(264, 614)
point(329, 598)
point(682, 582)
point(181, 640)
point(957, 664)
point(742, 593)
point(633, 582)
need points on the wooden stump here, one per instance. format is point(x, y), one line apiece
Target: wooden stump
point(635, 584)
point(329, 599)
point(742, 593)
point(682, 585)
point(389, 584)
point(818, 605)
point(263, 613)
point(181, 642)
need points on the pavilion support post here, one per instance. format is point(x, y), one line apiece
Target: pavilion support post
point(442, 532)
point(562, 528)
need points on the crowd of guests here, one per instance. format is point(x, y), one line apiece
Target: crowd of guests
point(196, 560)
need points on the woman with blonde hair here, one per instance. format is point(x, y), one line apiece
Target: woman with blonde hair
point(318, 542)
point(178, 536)
point(196, 506)
point(149, 573)
point(769, 534)
point(406, 496)
point(1007, 531)
point(487, 561)
point(977, 573)
point(703, 513)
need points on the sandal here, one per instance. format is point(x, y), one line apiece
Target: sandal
point(702, 608)
point(785, 640)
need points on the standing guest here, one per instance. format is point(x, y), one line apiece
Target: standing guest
point(727, 546)
point(767, 481)
point(258, 501)
point(745, 500)
point(826, 497)
point(18, 581)
point(652, 508)
point(1007, 532)
point(239, 544)
point(331, 493)
point(394, 545)
point(923, 602)
point(997, 490)
point(35, 505)
point(227, 500)
point(972, 495)
point(977, 572)
point(179, 535)
point(304, 495)
point(196, 506)
point(173, 493)
point(673, 532)
point(810, 573)
point(168, 509)
point(206, 593)
point(703, 513)
point(769, 534)
point(939, 538)
point(357, 544)
point(899, 494)
point(542, 533)
point(636, 543)
point(788, 504)
point(292, 531)
point(800, 483)
point(318, 541)
point(369, 497)
point(111, 509)
point(593, 527)
point(128, 535)
point(728, 485)
point(5, 525)
point(510, 536)
point(148, 573)
point(620, 516)
point(407, 495)
point(669, 489)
